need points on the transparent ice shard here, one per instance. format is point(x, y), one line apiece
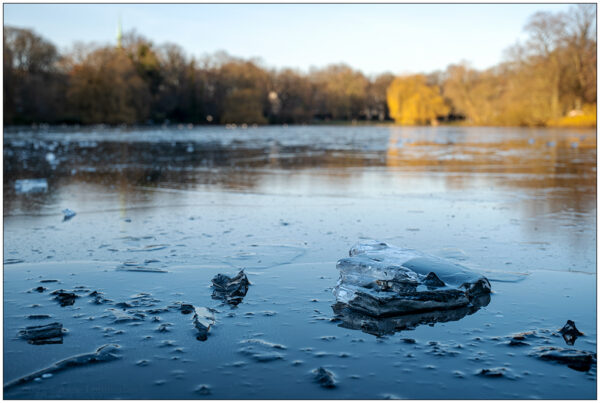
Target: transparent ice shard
point(383, 280)
point(68, 214)
point(232, 290)
point(203, 320)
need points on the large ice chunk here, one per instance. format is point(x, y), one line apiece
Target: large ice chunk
point(383, 280)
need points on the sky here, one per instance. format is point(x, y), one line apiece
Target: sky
point(374, 38)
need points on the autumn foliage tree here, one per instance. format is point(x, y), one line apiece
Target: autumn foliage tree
point(412, 102)
point(243, 85)
point(290, 97)
point(106, 88)
point(33, 84)
point(341, 92)
point(548, 80)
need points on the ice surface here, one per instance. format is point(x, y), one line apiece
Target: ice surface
point(278, 361)
point(383, 280)
point(475, 206)
point(324, 377)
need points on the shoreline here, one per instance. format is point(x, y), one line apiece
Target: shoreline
point(183, 126)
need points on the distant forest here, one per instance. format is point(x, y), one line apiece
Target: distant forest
point(550, 80)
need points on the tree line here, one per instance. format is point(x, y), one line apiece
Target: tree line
point(547, 81)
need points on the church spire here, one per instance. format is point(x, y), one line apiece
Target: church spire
point(119, 34)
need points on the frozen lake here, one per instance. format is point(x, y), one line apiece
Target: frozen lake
point(285, 203)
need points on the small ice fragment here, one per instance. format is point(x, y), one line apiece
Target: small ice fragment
point(493, 372)
point(203, 320)
point(261, 350)
point(575, 359)
point(68, 214)
point(570, 333)
point(163, 327)
point(12, 261)
point(324, 377)
point(98, 298)
point(203, 390)
point(149, 248)
point(123, 317)
point(141, 269)
point(64, 298)
point(41, 316)
point(523, 338)
point(230, 289)
point(269, 313)
point(263, 343)
point(51, 333)
point(31, 185)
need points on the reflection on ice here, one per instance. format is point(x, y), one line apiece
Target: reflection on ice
point(352, 319)
point(570, 333)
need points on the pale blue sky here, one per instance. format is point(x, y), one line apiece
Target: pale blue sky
point(400, 38)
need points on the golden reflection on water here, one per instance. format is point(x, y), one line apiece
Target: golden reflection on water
point(551, 161)
point(553, 171)
point(556, 166)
